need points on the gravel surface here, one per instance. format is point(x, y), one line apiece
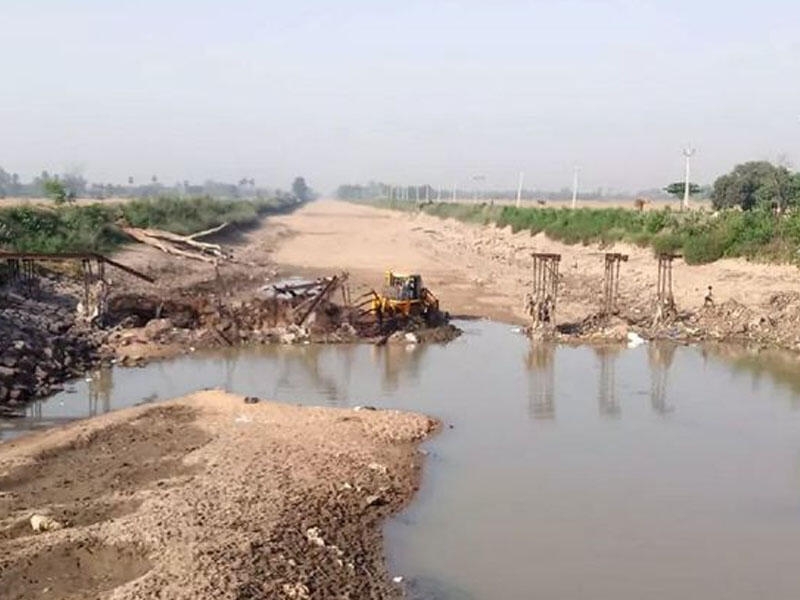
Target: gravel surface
point(208, 496)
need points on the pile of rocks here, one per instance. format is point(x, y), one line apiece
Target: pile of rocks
point(41, 345)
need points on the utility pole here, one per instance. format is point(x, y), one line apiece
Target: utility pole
point(575, 187)
point(519, 189)
point(688, 152)
point(475, 180)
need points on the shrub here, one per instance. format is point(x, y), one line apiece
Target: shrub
point(92, 228)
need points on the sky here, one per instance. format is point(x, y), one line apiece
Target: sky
point(407, 91)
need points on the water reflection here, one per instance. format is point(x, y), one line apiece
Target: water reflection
point(660, 356)
point(309, 360)
point(541, 365)
point(607, 401)
point(344, 375)
point(100, 387)
point(399, 359)
point(777, 366)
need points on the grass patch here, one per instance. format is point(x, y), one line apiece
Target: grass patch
point(92, 228)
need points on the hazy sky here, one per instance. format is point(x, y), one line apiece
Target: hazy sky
point(424, 91)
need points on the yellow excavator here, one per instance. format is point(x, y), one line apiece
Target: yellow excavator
point(404, 296)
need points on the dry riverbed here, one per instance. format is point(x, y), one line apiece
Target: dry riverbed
point(208, 496)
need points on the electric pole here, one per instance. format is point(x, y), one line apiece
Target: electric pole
point(575, 187)
point(519, 189)
point(688, 152)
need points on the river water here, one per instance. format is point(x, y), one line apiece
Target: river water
point(659, 472)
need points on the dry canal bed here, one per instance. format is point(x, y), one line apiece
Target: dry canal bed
point(658, 472)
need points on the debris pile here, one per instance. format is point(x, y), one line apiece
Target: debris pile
point(777, 322)
point(185, 246)
point(286, 312)
point(41, 345)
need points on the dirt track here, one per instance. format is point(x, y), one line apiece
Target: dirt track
point(208, 497)
point(485, 271)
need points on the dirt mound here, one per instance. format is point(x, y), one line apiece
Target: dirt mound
point(73, 571)
point(71, 483)
point(115, 459)
point(282, 502)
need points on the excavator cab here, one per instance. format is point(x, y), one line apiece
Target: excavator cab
point(403, 287)
point(405, 296)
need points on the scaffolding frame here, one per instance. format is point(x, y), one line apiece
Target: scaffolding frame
point(613, 260)
point(544, 293)
point(665, 300)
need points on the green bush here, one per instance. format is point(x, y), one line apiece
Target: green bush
point(92, 228)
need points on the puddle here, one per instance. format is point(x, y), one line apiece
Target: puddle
point(658, 472)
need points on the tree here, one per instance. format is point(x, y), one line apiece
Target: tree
point(677, 189)
point(74, 183)
point(757, 184)
point(5, 183)
point(55, 189)
point(301, 190)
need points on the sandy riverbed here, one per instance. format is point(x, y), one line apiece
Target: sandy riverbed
point(208, 497)
point(485, 271)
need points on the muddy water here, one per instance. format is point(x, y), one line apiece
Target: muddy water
point(569, 473)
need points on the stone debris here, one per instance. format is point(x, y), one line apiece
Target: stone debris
point(297, 591)
point(42, 523)
point(41, 345)
point(382, 469)
point(314, 536)
point(375, 500)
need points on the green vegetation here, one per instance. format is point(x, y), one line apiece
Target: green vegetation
point(92, 228)
point(700, 236)
point(57, 191)
point(301, 190)
point(757, 185)
point(677, 189)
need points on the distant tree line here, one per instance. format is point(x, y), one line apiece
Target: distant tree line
point(66, 187)
point(375, 189)
point(754, 185)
